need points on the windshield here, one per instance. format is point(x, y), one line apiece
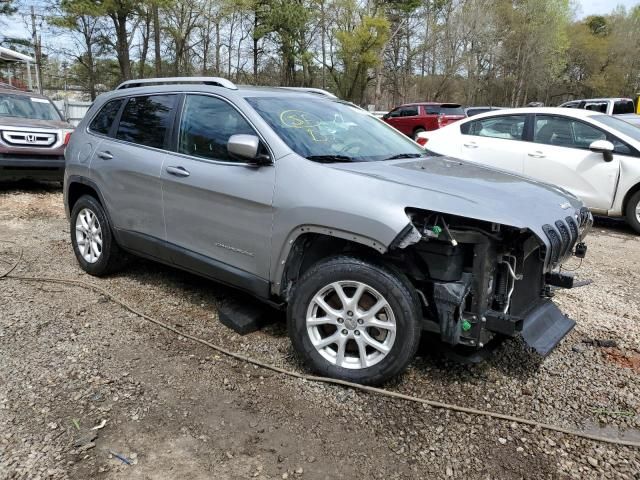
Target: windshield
point(620, 125)
point(327, 130)
point(27, 107)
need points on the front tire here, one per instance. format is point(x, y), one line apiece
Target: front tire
point(93, 244)
point(354, 320)
point(633, 211)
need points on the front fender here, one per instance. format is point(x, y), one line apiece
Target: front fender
point(283, 256)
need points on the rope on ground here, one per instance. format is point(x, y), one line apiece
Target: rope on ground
point(312, 378)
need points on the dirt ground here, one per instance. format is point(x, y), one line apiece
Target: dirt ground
point(70, 360)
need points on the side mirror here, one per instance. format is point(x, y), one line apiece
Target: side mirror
point(386, 115)
point(604, 147)
point(246, 148)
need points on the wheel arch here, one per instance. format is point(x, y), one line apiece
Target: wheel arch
point(627, 197)
point(308, 244)
point(77, 186)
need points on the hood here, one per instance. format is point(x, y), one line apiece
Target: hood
point(32, 122)
point(470, 190)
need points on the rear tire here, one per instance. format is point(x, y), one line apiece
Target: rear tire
point(370, 330)
point(633, 211)
point(417, 131)
point(96, 250)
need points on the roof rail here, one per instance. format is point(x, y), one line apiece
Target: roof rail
point(217, 81)
point(316, 91)
point(8, 86)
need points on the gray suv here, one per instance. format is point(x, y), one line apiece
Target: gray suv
point(313, 205)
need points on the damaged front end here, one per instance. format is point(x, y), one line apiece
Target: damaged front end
point(479, 281)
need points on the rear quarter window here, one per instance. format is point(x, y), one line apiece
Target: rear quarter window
point(145, 120)
point(623, 106)
point(102, 122)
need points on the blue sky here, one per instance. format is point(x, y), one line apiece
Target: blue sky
point(594, 7)
point(16, 26)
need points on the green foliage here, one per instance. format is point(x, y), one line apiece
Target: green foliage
point(7, 7)
point(359, 50)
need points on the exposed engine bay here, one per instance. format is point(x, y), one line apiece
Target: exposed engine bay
point(479, 280)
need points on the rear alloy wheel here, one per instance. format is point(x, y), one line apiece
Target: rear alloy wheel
point(354, 320)
point(93, 243)
point(88, 235)
point(633, 211)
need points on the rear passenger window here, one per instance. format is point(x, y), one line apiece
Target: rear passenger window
point(409, 112)
point(146, 120)
point(509, 127)
point(206, 125)
point(103, 120)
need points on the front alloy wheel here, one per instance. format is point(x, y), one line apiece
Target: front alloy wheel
point(633, 212)
point(351, 324)
point(354, 320)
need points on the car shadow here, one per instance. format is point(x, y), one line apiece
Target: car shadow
point(29, 186)
point(510, 357)
point(196, 290)
point(614, 224)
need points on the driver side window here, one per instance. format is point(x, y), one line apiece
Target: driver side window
point(206, 125)
point(565, 132)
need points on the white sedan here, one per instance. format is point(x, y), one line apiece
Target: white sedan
point(594, 156)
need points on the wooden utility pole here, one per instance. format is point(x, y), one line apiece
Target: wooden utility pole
point(36, 46)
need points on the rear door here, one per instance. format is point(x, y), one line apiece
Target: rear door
point(127, 166)
point(216, 207)
point(496, 141)
point(560, 155)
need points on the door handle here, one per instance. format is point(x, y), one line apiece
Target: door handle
point(178, 171)
point(106, 155)
point(471, 145)
point(537, 154)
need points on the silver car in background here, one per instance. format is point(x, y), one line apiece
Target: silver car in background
point(313, 205)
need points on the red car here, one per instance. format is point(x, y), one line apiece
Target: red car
point(413, 118)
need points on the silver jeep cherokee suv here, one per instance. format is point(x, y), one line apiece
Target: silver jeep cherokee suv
point(311, 204)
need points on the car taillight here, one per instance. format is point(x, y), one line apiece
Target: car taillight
point(439, 121)
point(422, 141)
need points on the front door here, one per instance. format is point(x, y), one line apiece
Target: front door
point(217, 209)
point(560, 155)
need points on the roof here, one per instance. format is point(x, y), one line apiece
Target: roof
point(241, 91)
point(615, 99)
point(13, 56)
point(220, 82)
point(452, 104)
point(16, 91)
point(567, 112)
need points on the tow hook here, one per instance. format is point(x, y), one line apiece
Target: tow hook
point(581, 250)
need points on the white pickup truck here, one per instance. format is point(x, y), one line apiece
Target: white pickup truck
point(609, 106)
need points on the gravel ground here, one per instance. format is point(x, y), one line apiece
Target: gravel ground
point(71, 360)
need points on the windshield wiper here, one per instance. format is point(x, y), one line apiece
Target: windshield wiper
point(405, 155)
point(330, 158)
